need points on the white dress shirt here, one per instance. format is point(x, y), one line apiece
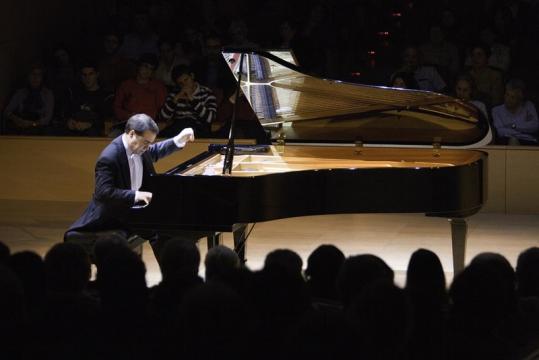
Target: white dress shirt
point(135, 166)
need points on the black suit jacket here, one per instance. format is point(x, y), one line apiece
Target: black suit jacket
point(113, 196)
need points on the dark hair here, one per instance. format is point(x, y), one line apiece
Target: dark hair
point(148, 58)
point(407, 77)
point(141, 123)
point(482, 46)
point(469, 79)
point(527, 272)
point(88, 63)
point(179, 70)
point(516, 84)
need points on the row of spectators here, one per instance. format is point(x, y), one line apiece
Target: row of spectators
point(337, 308)
point(514, 119)
point(339, 39)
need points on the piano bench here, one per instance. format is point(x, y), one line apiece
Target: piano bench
point(90, 241)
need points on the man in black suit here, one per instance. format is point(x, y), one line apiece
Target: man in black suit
point(119, 174)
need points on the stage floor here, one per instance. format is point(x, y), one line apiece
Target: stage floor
point(37, 225)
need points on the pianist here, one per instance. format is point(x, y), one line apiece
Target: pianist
point(119, 176)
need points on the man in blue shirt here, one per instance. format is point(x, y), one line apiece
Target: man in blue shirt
point(516, 119)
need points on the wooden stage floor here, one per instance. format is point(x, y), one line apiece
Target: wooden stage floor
point(37, 225)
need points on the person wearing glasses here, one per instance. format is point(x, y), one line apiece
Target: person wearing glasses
point(120, 171)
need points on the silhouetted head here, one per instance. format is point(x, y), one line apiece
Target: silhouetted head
point(216, 307)
point(30, 269)
point(497, 263)
point(285, 259)
point(482, 295)
point(67, 268)
point(425, 275)
point(528, 272)
point(323, 266)
point(403, 80)
point(180, 259)
point(359, 271)
point(103, 247)
point(4, 253)
point(11, 305)
point(121, 278)
point(220, 261)
point(381, 318)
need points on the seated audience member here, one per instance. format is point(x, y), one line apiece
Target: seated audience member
point(238, 33)
point(527, 273)
point(5, 252)
point(483, 300)
point(113, 68)
point(357, 272)
point(516, 119)
point(61, 76)
point(465, 90)
point(88, 105)
point(188, 105)
point(427, 77)
point(211, 69)
point(286, 260)
point(437, 51)
point(426, 290)
point(489, 82)
point(323, 266)
point(247, 123)
point(30, 110)
point(221, 263)
point(143, 94)
point(168, 59)
point(403, 80)
point(142, 40)
point(500, 54)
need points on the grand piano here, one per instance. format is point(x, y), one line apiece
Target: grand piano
point(339, 148)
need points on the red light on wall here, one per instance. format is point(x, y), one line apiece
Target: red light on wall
point(355, 73)
point(396, 14)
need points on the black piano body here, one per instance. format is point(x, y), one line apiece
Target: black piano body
point(322, 167)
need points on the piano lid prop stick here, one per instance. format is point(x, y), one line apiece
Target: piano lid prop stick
point(229, 156)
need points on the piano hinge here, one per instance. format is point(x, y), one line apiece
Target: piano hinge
point(358, 147)
point(436, 146)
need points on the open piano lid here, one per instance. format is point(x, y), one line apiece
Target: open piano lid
point(307, 109)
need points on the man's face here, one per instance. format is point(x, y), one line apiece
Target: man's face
point(185, 81)
point(139, 143)
point(145, 71)
point(463, 90)
point(479, 57)
point(513, 98)
point(35, 78)
point(89, 77)
point(411, 58)
point(111, 43)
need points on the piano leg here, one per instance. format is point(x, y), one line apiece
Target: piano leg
point(240, 240)
point(459, 229)
point(214, 240)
